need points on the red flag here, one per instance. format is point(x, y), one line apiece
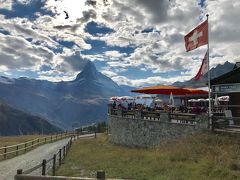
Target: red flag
point(203, 69)
point(197, 37)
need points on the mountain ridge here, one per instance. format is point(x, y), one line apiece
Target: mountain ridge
point(17, 122)
point(67, 103)
point(215, 72)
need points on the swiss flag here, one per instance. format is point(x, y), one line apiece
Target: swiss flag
point(197, 37)
point(203, 69)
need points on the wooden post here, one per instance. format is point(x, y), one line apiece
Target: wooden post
point(5, 152)
point(19, 171)
point(38, 141)
point(64, 152)
point(56, 137)
point(45, 139)
point(44, 162)
point(70, 143)
point(16, 150)
point(54, 164)
point(213, 124)
point(60, 157)
point(100, 175)
point(25, 147)
point(32, 144)
point(95, 134)
point(51, 138)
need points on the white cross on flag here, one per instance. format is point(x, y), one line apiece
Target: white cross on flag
point(203, 69)
point(197, 37)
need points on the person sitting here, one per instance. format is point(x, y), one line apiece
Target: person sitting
point(114, 105)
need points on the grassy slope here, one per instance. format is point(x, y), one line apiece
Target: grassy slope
point(16, 122)
point(203, 156)
point(11, 140)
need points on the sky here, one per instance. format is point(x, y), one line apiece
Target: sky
point(134, 42)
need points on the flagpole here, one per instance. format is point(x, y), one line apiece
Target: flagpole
point(209, 77)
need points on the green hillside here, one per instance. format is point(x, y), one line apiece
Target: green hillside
point(205, 156)
point(16, 122)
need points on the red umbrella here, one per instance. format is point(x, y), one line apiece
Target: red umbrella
point(162, 90)
point(196, 91)
point(169, 89)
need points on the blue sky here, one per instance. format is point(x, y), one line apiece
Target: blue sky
point(136, 43)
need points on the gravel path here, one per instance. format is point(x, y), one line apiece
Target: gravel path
point(8, 168)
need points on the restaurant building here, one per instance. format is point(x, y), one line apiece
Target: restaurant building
point(229, 84)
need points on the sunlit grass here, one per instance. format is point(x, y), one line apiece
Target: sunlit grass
point(203, 156)
point(11, 140)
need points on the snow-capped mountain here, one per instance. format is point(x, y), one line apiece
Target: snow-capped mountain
point(73, 103)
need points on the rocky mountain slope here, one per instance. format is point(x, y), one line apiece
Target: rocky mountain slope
point(16, 122)
point(67, 104)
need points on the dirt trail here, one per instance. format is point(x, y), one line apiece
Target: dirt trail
point(8, 168)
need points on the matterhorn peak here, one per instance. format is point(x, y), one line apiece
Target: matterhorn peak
point(89, 71)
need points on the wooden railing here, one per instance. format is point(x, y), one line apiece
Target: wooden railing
point(222, 122)
point(17, 149)
point(174, 117)
point(49, 166)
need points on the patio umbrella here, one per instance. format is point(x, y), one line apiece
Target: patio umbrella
point(163, 90)
point(216, 102)
point(196, 91)
point(223, 98)
point(171, 100)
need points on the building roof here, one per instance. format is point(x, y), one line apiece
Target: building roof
point(228, 78)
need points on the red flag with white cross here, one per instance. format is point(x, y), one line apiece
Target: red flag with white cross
point(197, 37)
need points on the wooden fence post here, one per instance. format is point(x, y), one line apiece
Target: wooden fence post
point(16, 150)
point(38, 141)
point(54, 165)
point(60, 157)
point(64, 152)
point(70, 143)
point(32, 144)
point(51, 138)
point(5, 152)
point(19, 171)
point(67, 148)
point(101, 175)
point(25, 147)
point(44, 162)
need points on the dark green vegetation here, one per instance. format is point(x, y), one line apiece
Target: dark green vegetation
point(16, 122)
point(203, 156)
point(99, 127)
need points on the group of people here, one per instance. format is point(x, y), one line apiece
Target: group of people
point(134, 106)
point(155, 107)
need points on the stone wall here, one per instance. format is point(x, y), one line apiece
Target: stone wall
point(148, 133)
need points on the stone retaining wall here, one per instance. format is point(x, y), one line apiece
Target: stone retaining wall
point(148, 133)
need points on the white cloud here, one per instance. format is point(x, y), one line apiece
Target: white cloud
point(161, 50)
point(150, 81)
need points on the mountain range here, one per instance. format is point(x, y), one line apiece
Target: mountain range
point(74, 103)
point(65, 104)
point(214, 72)
point(16, 122)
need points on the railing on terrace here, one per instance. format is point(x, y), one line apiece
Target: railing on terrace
point(226, 123)
point(174, 117)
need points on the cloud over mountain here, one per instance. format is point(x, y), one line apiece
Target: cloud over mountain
point(138, 37)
